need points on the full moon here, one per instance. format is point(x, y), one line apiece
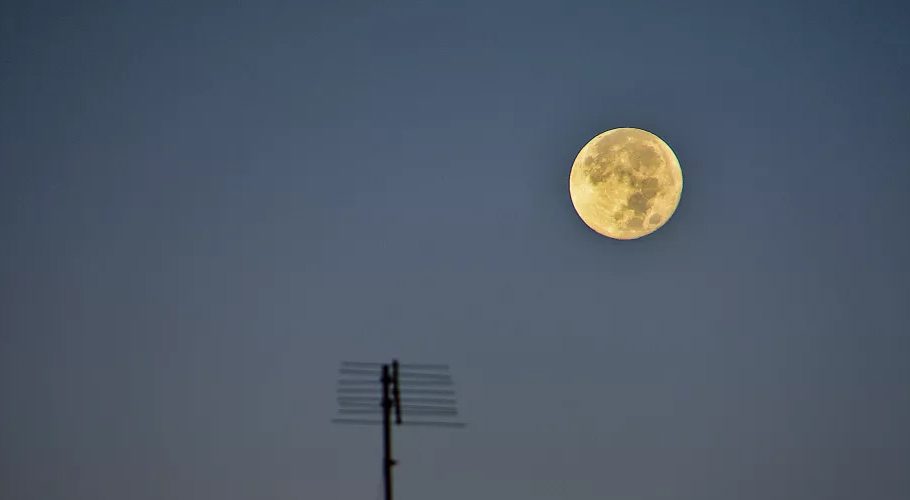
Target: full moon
point(625, 183)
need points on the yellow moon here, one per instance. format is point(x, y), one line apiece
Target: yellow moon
point(625, 183)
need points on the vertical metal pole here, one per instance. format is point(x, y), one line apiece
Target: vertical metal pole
point(386, 433)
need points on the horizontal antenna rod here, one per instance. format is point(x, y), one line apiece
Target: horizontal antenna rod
point(375, 406)
point(405, 366)
point(405, 374)
point(414, 423)
point(404, 383)
point(412, 411)
point(361, 404)
point(404, 392)
point(378, 400)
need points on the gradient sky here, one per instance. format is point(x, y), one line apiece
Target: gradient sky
point(205, 206)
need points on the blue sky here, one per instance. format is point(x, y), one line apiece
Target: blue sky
point(205, 206)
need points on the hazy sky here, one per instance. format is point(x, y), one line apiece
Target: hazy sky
point(205, 206)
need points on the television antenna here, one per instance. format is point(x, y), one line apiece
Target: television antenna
point(367, 390)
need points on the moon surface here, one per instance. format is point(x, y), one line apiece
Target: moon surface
point(625, 183)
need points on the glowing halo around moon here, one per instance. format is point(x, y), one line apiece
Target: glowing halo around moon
point(625, 183)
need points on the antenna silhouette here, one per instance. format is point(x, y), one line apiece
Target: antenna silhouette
point(402, 390)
